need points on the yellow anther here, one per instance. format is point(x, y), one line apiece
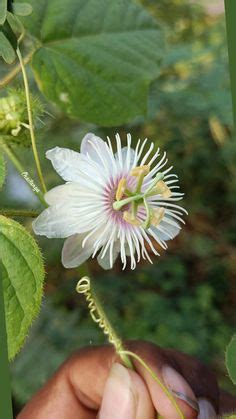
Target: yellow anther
point(127, 216)
point(140, 170)
point(121, 189)
point(157, 216)
point(162, 189)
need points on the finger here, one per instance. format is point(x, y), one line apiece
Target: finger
point(93, 365)
point(170, 377)
point(227, 402)
point(56, 400)
point(202, 380)
point(206, 410)
point(85, 374)
point(125, 396)
point(179, 388)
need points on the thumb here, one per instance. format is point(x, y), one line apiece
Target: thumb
point(125, 396)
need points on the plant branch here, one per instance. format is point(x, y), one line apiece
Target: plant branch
point(31, 124)
point(19, 213)
point(16, 70)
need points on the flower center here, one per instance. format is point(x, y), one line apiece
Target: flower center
point(137, 197)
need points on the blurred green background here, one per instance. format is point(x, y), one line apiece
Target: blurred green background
point(187, 299)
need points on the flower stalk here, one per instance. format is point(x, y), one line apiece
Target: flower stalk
point(31, 124)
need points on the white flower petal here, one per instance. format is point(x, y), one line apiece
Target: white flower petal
point(73, 254)
point(65, 162)
point(75, 167)
point(63, 193)
point(166, 230)
point(56, 221)
point(97, 150)
point(145, 157)
point(124, 156)
point(127, 156)
point(108, 260)
point(130, 249)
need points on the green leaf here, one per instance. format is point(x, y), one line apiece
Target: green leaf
point(3, 11)
point(97, 58)
point(8, 43)
point(7, 52)
point(22, 9)
point(22, 272)
point(15, 24)
point(2, 170)
point(231, 359)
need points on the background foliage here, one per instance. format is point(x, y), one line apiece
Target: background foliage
point(186, 300)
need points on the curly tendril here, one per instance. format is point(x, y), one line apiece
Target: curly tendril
point(99, 317)
point(97, 314)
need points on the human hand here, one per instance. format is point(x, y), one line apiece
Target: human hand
point(94, 384)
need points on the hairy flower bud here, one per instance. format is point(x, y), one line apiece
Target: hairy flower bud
point(14, 125)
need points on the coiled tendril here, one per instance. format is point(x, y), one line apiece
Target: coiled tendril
point(97, 313)
point(100, 318)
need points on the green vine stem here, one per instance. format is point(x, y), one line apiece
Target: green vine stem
point(99, 317)
point(15, 161)
point(16, 70)
point(30, 117)
point(155, 377)
point(11, 155)
point(18, 213)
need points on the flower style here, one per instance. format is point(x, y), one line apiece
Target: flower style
point(111, 203)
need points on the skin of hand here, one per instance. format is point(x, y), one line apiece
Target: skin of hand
point(93, 383)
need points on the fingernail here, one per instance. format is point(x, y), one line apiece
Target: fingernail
point(179, 387)
point(206, 410)
point(118, 397)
